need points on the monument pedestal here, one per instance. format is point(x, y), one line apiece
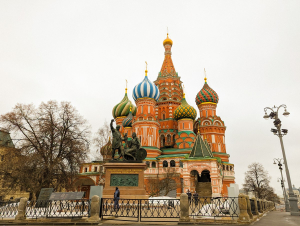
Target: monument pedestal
point(128, 177)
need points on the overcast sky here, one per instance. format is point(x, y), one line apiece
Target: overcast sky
point(82, 52)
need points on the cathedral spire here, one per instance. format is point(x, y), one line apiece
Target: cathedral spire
point(167, 68)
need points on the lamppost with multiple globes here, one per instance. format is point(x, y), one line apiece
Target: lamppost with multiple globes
point(279, 163)
point(280, 133)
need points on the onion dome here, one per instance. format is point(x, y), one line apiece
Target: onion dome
point(127, 122)
point(106, 150)
point(145, 89)
point(185, 111)
point(168, 41)
point(206, 94)
point(123, 108)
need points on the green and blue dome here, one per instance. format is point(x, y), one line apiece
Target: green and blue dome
point(127, 122)
point(185, 111)
point(123, 108)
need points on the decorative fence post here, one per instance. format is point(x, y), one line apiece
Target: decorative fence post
point(249, 207)
point(184, 208)
point(22, 209)
point(95, 208)
point(255, 204)
point(244, 217)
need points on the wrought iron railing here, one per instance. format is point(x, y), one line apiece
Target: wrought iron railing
point(123, 209)
point(8, 209)
point(252, 204)
point(58, 208)
point(258, 206)
point(211, 207)
point(140, 209)
point(159, 209)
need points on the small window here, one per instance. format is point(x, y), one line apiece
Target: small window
point(153, 165)
point(172, 163)
point(85, 170)
point(150, 118)
point(96, 169)
point(148, 163)
point(165, 163)
point(180, 163)
point(163, 116)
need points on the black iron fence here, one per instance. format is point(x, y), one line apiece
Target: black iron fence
point(8, 209)
point(252, 204)
point(211, 207)
point(58, 208)
point(140, 209)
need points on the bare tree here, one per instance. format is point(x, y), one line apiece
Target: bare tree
point(52, 139)
point(257, 180)
point(163, 184)
point(102, 138)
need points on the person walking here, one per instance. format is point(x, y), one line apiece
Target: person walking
point(195, 197)
point(116, 199)
point(189, 195)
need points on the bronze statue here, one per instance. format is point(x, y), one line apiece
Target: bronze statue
point(117, 140)
point(132, 148)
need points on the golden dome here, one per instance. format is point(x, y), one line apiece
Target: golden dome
point(168, 41)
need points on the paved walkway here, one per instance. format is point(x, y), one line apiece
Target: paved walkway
point(276, 218)
point(273, 218)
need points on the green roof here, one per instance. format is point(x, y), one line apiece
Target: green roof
point(170, 156)
point(201, 149)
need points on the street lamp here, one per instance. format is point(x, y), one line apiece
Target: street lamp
point(279, 163)
point(280, 133)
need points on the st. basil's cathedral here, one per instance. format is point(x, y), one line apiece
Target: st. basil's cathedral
point(176, 140)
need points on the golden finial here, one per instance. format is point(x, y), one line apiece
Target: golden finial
point(130, 108)
point(146, 68)
point(183, 91)
point(199, 129)
point(205, 79)
point(126, 86)
point(205, 137)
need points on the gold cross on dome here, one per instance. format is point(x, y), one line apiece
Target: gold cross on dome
point(126, 83)
point(205, 79)
point(146, 65)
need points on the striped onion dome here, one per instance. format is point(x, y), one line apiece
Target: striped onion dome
point(127, 122)
point(185, 110)
point(106, 150)
point(145, 89)
point(123, 108)
point(207, 94)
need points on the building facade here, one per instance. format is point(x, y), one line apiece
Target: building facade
point(183, 151)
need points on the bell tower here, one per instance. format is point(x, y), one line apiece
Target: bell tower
point(171, 93)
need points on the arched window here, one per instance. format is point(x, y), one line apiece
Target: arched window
point(153, 164)
point(180, 163)
point(165, 163)
point(148, 163)
point(162, 141)
point(163, 116)
point(172, 163)
point(169, 138)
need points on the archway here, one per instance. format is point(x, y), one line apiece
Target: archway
point(203, 187)
point(84, 184)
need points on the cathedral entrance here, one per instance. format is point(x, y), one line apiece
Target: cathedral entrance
point(201, 183)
